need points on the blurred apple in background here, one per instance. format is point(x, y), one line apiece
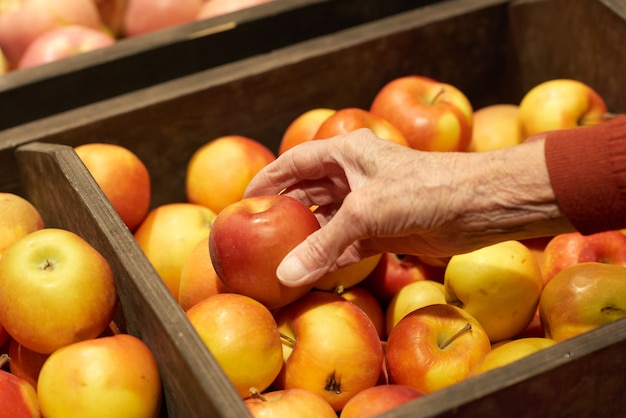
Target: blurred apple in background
point(350, 119)
point(349, 275)
point(218, 172)
point(303, 128)
point(198, 279)
point(18, 218)
point(112, 14)
point(249, 239)
point(368, 304)
point(411, 297)
point(289, 403)
point(62, 42)
point(66, 279)
point(331, 347)
point(499, 285)
point(4, 65)
point(495, 127)
point(114, 376)
point(510, 351)
point(581, 298)
point(212, 8)
point(18, 398)
point(560, 104)
point(168, 234)
point(243, 337)
point(434, 347)
point(433, 116)
point(25, 363)
point(372, 402)
point(568, 249)
point(145, 16)
point(123, 178)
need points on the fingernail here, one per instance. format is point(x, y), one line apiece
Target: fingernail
point(291, 271)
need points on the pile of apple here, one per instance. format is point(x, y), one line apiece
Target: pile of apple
point(392, 327)
point(61, 354)
point(34, 32)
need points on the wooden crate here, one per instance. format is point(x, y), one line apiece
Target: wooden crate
point(138, 62)
point(494, 50)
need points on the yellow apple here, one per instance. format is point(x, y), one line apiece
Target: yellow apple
point(169, 234)
point(303, 128)
point(242, 336)
point(510, 351)
point(348, 276)
point(18, 217)
point(495, 127)
point(499, 285)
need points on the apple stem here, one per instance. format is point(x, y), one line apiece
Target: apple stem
point(4, 359)
point(287, 339)
point(463, 330)
point(339, 290)
point(254, 393)
point(439, 93)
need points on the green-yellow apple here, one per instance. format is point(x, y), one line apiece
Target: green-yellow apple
point(331, 347)
point(567, 249)
point(434, 347)
point(250, 238)
point(349, 275)
point(18, 217)
point(123, 178)
point(288, 403)
point(303, 128)
point(368, 303)
point(169, 233)
point(55, 289)
point(198, 279)
point(115, 376)
point(560, 104)
point(350, 119)
point(411, 297)
point(498, 284)
point(218, 173)
point(432, 115)
point(18, 398)
point(375, 400)
point(494, 127)
point(510, 351)
point(242, 336)
point(25, 363)
point(581, 298)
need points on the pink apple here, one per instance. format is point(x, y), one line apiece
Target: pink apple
point(373, 401)
point(212, 8)
point(144, 16)
point(288, 403)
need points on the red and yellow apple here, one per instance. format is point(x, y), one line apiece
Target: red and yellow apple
point(303, 128)
point(242, 336)
point(249, 239)
point(218, 173)
point(494, 127)
point(169, 234)
point(509, 351)
point(432, 115)
point(114, 376)
point(560, 104)
point(350, 119)
point(498, 284)
point(288, 403)
point(123, 178)
point(369, 304)
point(581, 298)
point(17, 397)
point(18, 217)
point(55, 289)
point(434, 347)
point(331, 347)
point(374, 401)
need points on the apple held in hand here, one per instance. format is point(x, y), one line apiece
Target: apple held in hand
point(499, 285)
point(18, 398)
point(248, 240)
point(114, 376)
point(495, 127)
point(510, 351)
point(331, 347)
point(433, 116)
point(288, 403)
point(242, 336)
point(303, 128)
point(373, 401)
point(434, 347)
point(18, 217)
point(560, 104)
point(581, 298)
point(55, 289)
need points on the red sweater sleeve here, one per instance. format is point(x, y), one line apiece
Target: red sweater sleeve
point(587, 168)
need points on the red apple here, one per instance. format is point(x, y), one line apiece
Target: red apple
point(568, 249)
point(434, 347)
point(144, 16)
point(55, 289)
point(18, 217)
point(350, 119)
point(123, 178)
point(212, 8)
point(373, 401)
point(432, 115)
point(113, 376)
point(289, 403)
point(303, 128)
point(18, 398)
point(330, 346)
point(250, 238)
point(62, 42)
